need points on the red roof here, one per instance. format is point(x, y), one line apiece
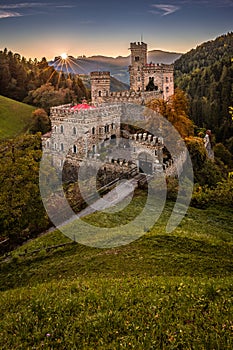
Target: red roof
point(47, 135)
point(81, 106)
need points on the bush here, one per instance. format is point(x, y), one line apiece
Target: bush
point(221, 152)
point(222, 194)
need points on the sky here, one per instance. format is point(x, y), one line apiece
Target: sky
point(47, 28)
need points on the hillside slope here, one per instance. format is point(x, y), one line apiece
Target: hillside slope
point(163, 291)
point(206, 74)
point(15, 117)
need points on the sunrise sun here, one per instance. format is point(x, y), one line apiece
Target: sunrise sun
point(64, 56)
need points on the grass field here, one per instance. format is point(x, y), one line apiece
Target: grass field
point(163, 291)
point(15, 117)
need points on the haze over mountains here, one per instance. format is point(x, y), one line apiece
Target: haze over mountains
point(118, 66)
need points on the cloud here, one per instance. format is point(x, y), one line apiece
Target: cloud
point(164, 9)
point(7, 14)
point(25, 6)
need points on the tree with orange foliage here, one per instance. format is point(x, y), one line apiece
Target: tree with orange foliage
point(175, 110)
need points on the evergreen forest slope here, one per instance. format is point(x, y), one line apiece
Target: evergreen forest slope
point(206, 74)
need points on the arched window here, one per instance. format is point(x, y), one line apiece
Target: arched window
point(74, 130)
point(47, 145)
point(74, 149)
point(99, 93)
point(167, 89)
point(55, 146)
point(93, 131)
point(62, 147)
point(55, 128)
point(62, 129)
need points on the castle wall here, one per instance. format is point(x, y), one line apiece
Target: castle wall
point(81, 133)
point(162, 77)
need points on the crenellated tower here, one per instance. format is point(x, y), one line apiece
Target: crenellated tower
point(138, 61)
point(100, 86)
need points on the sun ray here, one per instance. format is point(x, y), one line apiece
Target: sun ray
point(76, 64)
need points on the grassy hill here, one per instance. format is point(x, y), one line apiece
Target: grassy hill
point(163, 291)
point(15, 117)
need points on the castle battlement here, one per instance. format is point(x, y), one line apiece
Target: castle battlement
point(138, 45)
point(66, 112)
point(100, 74)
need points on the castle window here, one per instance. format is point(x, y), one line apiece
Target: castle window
point(62, 129)
point(93, 131)
point(136, 58)
point(167, 80)
point(55, 129)
point(167, 89)
point(99, 93)
point(74, 149)
point(47, 144)
point(94, 148)
point(55, 146)
point(139, 79)
point(62, 147)
point(74, 130)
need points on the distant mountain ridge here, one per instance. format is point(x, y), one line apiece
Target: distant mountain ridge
point(118, 66)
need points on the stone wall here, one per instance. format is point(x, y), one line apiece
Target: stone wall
point(80, 133)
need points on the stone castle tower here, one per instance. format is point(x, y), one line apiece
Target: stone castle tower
point(147, 80)
point(149, 76)
point(138, 61)
point(100, 86)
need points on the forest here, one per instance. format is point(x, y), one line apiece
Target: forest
point(206, 75)
point(36, 83)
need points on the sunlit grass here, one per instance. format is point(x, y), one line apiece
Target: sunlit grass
point(163, 291)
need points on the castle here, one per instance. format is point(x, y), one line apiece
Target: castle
point(147, 80)
point(78, 132)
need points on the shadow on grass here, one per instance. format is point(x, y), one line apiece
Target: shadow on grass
point(160, 255)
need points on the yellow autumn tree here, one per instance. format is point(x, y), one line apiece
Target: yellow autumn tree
point(175, 110)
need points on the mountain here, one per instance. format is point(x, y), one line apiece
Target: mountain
point(15, 117)
point(115, 84)
point(118, 66)
point(206, 74)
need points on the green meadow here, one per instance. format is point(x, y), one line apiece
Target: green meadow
point(162, 291)
point(15, 117)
